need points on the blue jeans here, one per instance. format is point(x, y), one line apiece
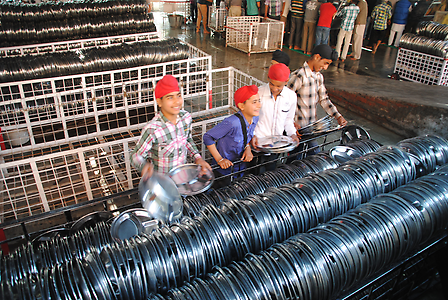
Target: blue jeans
point(322, 34)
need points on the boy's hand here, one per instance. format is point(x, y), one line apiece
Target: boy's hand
point(204, 166)
point(247, 155)
point(225, 163)
point(341, 121)
point(147, 171)
point(295, 138)
point(254, 142)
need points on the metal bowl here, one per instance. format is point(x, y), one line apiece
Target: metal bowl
point(160, 197)
point(131, 223)
point(189, 181)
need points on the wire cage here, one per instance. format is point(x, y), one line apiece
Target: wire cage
point(177, 12)
point(421, 67)
point(76, 44)
point(254, 34)
point(217, 18)
point(74, 135)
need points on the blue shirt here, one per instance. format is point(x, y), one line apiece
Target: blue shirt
point(230, 140)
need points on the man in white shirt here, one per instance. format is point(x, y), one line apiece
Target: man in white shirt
point(277, 111)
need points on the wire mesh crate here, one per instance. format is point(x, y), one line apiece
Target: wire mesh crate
point(80, 134)
point(76, 44)
point(176, 8)
point(254, 34)
point(421, 67)
point(217, 18)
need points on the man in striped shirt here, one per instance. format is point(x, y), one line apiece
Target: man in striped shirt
point(348, 14)
point(166, 139)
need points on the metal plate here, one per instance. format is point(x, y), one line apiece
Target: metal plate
point(276, 144)
point(132, 222)
point(189, 180)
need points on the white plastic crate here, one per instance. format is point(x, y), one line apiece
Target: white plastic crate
point(176, 7)
point(76, 44)
point(421, 67)
point(254, 34)
point(95, 162)
point(217, 18)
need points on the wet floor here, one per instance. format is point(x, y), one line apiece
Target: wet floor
point(256, 64)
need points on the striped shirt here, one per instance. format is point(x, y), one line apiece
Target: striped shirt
point(380, 15)
point(297, 8)
point(165, 144)
point(310, 90)
point(348, 14)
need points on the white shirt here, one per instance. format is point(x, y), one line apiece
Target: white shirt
point(276, 116)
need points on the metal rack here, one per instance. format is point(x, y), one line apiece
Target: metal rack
point(217, 19)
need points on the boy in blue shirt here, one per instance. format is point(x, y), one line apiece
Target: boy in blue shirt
point(233, 134)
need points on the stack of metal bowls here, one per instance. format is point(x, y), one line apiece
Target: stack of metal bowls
point(24, 24)
point(89, 60)
point(425, 44)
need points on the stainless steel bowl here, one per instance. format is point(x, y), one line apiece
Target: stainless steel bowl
point(160, 197)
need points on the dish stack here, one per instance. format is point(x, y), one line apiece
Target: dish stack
point(422, 57)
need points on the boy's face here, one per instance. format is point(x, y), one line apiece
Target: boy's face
point(276, 87)
point(321, 63)
point(251, 107)
point(171, 103)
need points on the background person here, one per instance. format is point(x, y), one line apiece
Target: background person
point(326, 14)
point(309, 25)
point(381, 15)
point(280, 57)
point(358, 31)
point(349, 15)
point(399, 21)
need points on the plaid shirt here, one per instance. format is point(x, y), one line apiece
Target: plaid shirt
point(275, 7)
point(348, 14)
point(380, 15)
point(310, 90)
point(164, 143)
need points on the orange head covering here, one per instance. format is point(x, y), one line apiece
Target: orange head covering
point(244, 93)
point(279, 72)
point(166, 85)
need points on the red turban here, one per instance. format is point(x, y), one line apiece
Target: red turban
point(279, 72)
point(244, 93)
point(166, 85)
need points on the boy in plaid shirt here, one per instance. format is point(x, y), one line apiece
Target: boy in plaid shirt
point(166, 139)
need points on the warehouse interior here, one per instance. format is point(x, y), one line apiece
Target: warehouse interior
point(67, 139)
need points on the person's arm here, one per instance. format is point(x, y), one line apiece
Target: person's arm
point(193, 150)
point(219, 131)
point(328, 106)
point(140, 156)
point(290, 128)
point(266, 8)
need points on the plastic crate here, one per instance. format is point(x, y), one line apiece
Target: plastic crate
point(254, 34)
point(76, 44)
point(83, 147)
point(217, 18)
point(421, 67)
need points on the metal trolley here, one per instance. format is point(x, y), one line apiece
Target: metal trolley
point(217, 19)
point(254, 34)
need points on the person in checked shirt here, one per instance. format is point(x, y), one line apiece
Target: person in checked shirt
point(381, 15)
point(166, 140)
point(308, 83)
point(348, 14)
